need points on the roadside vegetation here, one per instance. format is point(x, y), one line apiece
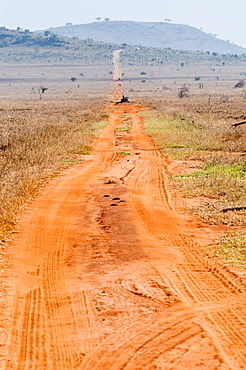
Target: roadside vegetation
point(40, 137)
point(201, 133)
point(37, 140)
point(230, 247)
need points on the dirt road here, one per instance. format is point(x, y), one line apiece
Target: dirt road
point(104, 274)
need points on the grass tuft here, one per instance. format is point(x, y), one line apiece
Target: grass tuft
point(123, 153)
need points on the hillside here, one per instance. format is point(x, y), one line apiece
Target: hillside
point(155, 34)
point(10, 37)
point(23, 46)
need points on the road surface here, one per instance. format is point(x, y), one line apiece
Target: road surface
point(104, 274)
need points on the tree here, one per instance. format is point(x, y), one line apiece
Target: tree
point(183, 92)
point(107, 19)
point(43, 89)
point(98, 19)
point(240, 84)
point(47, 33)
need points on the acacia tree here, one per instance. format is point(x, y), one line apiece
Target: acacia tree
point(107, 19)
point(98, 19)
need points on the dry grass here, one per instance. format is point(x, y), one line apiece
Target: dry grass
point(37, 140)
point(197, 129)
point(201, 129)
point(231, 247)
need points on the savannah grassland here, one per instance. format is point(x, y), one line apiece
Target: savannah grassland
point(44, 133)
point(197, 132)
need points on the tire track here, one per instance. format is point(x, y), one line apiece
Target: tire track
point(197, 280)
point(106, 276)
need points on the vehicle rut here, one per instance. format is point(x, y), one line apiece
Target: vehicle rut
point(104, 273)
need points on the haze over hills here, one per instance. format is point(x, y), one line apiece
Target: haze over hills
point(155, 34)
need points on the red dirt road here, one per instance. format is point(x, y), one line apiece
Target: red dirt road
point(105, 275)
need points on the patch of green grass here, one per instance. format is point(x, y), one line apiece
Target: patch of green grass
point(123, 128)
point(234, 171)
point(84, 152)
point(166, 133)
point(70, 161)
point(123, 153)
point(214, 181)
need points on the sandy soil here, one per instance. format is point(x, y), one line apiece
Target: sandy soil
point(105, 274)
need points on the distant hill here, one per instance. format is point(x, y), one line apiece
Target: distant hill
point(150, 34)
point(23, 46)
point(10, 37)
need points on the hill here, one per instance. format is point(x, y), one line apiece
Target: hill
point(150, 34)
point(10, 37)
point(23, 46)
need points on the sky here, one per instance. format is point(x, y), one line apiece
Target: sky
point(225, 18)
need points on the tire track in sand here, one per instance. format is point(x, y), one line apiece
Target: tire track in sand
point(104, 274)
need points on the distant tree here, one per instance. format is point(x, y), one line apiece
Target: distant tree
point(98, 19)
point(18, 29)
point(69, 24)
point(167, 20)
point(43, 89)
point(183, 92)
point(47, 33)
point(240, 84)
point(73, 79)
point(182, 64)
point(107, 19)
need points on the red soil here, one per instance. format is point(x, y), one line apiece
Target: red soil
point(105, 274)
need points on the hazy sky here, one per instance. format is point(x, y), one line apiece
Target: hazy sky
point(226, 18)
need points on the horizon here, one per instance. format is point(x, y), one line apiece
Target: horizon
point(224, 18)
